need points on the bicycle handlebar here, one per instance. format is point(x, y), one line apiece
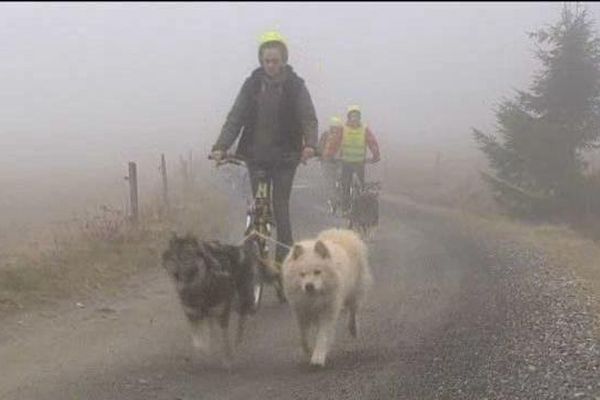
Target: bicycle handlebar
point(229, 159)
point(376, 185)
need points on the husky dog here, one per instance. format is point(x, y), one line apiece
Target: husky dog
point(212, 278)
point(321, 277)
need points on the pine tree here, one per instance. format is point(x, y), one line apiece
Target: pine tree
point(544, 132)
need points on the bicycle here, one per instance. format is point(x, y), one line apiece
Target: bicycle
point(363, 212)
point(334, 202)
point(259, 224)
point(237, 183)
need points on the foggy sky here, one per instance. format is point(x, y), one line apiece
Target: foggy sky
point(99, 84)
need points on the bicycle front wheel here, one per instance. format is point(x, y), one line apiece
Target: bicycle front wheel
point(257, 277)
point(257, 291)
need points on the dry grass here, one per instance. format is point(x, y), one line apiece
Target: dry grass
point(82, 267)
point(100, 250)
point(563, 247)
point(449, 178)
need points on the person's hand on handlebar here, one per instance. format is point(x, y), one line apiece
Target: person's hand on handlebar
point(217, 155)
point(373, 160)
point(307, 153)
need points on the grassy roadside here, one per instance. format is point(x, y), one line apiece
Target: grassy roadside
point(563, 247)
point(449, 181)
point(101, 252)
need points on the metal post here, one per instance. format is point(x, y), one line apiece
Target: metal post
point(163, 172)
point(133, 192)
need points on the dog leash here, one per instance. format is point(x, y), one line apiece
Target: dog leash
point(255, 232)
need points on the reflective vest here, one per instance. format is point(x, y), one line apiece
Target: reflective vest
point(354, 144)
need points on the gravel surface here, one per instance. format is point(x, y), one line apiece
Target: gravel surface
point(533, 331)
point(452, 316)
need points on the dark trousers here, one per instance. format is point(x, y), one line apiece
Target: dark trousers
point(281, 177)
point(348, 169)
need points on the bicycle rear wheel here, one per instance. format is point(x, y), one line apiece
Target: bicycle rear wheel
point(351, 213)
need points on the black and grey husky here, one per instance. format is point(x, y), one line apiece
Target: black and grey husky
point(212, 279)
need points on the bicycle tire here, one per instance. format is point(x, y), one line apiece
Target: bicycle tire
point(277, 283)
point(259, 220)
point(261, 279)
point(257, 292)
point(258, 284)
point(354, 185)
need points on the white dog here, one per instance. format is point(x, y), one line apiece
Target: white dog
point(321, 277)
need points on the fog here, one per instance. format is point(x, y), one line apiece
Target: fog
point(90, 86)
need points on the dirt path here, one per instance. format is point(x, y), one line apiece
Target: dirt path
point(447, 320)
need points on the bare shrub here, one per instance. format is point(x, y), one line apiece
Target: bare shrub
point(108, 225)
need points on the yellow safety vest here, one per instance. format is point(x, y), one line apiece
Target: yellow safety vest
point(354, 144)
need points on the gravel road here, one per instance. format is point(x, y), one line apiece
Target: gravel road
point(451, 316)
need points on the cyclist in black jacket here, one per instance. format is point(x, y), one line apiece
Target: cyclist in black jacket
point(276, 118)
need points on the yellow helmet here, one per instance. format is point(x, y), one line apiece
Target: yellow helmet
point(335, 121)
point(272, 36)
point(353, 108)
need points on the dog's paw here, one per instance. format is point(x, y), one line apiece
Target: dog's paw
point(316, 366)
point(317, 361)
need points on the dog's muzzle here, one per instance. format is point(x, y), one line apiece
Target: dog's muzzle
point(309, 288)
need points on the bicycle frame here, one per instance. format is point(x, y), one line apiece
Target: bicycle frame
point(259, 213)
point(258, 219)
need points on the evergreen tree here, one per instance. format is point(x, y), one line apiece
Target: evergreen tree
point(544, 132)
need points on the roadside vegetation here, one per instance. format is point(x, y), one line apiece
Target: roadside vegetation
point(101, 249)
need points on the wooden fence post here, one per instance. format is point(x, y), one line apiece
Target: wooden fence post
point(133, 192)
point(185, 178)
point(165, 186)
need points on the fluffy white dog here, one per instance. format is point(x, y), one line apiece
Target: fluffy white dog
point(322, 277)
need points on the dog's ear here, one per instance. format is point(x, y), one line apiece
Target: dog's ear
point(297, 251)
point(321, 249)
